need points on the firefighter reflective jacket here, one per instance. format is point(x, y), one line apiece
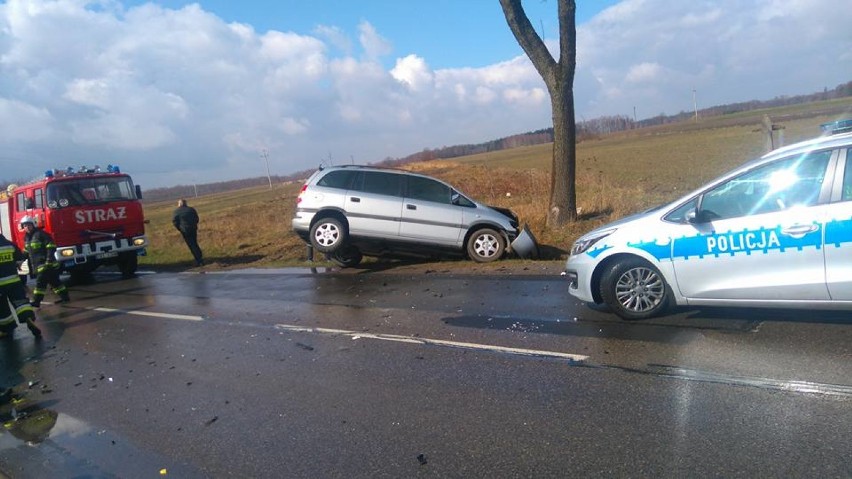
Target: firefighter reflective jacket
point(9, 256)
point(41, 247)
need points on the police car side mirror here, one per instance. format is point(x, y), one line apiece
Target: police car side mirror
point(699, 217)
point(138, 192)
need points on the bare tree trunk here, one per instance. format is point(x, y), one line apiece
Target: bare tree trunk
point(559, 78)
point(563, 195)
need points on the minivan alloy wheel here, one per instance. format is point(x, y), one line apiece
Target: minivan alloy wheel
point(485, 245)
point(327, 235)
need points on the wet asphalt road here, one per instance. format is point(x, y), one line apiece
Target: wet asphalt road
point(294, 373)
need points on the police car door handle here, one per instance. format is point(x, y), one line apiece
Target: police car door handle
point(799, 230)
point(410, 206)
point(355, 199)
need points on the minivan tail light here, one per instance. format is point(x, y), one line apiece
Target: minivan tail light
point(299, 198)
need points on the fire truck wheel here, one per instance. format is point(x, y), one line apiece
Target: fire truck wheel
point(127, 265)
point(328, 234)
point(81, 275)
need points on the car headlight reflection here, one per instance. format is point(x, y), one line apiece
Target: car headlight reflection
point(586, 242)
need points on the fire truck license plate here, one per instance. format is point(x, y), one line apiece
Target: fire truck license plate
point(109, 254)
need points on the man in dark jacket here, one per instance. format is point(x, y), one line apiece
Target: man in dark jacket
point(12, 292)
point(41, 248)
point(185, 219)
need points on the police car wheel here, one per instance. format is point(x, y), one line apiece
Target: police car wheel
point(634, 289)
point(327, 235)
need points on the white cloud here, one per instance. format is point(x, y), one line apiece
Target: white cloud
point(374, 45)
point(181, 95)
point(23, 122)
point(646, 72)
point(413, 71)
point(336, 37)
point(728, 51)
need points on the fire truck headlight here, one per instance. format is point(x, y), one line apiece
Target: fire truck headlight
point(65, 252)
point(139, 241)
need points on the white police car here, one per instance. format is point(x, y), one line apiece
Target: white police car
point(775, 232)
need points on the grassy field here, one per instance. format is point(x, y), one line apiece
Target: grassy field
point(617, 175)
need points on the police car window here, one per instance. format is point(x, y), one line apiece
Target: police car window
point(337, 179)
point(427, 190)
point(678, 215)
point(778, 186)
point(847, 178)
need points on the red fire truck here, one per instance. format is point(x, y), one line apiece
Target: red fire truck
point(94, 216)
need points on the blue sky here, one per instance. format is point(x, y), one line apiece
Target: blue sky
point(448, 33)
point(182, 93)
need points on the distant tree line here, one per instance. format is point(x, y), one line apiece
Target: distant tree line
point(841, 91)
point(586, 129)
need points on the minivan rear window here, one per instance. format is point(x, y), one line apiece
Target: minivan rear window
point(337, 179)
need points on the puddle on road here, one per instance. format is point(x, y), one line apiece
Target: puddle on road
point(37, 441)
point(273, 271)
point(28, 422)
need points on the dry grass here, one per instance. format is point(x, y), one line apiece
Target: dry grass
point(617, 175)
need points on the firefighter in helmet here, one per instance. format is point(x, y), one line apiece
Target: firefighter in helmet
point(12, 292)
point(41, 249)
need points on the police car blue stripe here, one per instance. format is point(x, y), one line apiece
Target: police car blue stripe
point(763, 240)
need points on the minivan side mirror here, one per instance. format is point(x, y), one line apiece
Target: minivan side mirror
point(138, 192)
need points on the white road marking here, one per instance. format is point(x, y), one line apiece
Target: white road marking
point(184, 317)
point(435, 342)
point(825, 389)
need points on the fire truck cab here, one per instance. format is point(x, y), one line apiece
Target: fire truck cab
point(94, 216)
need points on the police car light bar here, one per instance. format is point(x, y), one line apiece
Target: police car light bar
point(837, 127)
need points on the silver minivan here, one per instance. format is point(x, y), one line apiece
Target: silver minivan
point(776, 232)
point(351, 211)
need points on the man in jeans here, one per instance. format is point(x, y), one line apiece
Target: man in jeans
point(185, 219)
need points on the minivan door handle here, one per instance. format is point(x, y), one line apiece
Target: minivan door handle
point(355, 199)
point(411, 207)
point(799, 230)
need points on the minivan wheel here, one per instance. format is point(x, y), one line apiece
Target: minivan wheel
point(485, 245)
point(346, 257)
point(634, 289)
point(327, 235)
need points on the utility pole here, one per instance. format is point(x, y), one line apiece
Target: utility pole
point(265, 156)
point(694, 104)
